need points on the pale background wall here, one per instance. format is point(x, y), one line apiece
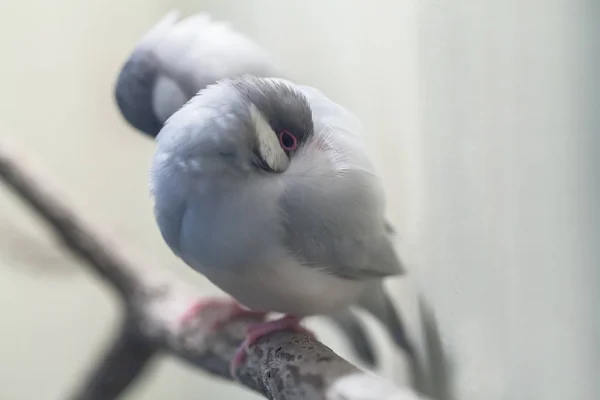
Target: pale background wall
point(509, 235)
point(482, 120)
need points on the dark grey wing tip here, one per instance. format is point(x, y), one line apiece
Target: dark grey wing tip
point(350, 323)
point(134, 94)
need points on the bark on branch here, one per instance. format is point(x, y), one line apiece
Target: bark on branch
point(281, 365)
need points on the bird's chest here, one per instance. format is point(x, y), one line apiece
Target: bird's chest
point(235, 241)
point(229, 232)
point(287, 287)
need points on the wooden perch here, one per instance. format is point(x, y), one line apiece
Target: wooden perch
point(282, 365)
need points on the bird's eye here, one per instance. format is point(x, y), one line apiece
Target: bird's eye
point(288, 141)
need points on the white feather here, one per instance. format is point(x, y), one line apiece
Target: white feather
point(287, 287)
point(159, 30)
point(167, 97)
point(198, 51)
point(268, 143)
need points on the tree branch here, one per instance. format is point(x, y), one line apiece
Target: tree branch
point(65, 223)
point(282, 365)
point(128, 356)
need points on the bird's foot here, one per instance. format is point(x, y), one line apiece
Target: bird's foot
point(227, 309)
point(255, 332)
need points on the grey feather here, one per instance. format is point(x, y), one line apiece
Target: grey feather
point(324, 239)
point(378, 303)
point(349, 322)
point(134, 92)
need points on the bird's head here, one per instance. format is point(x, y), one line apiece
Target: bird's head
point(247, 123)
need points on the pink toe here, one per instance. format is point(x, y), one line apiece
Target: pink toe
point(287, 323)
point(256, 331)
point(230, 309)
point(193, 311)
point(238, 358)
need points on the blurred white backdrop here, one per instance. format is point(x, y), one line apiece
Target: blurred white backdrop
point(483, 119)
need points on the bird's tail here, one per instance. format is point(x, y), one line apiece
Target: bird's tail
point(378, 303)
point(349, 323)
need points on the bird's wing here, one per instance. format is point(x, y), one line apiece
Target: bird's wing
point(198, 51)
point(331, 233)
point(334, 216)
point(335, 115)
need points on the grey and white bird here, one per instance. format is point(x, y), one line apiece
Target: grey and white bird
point(171, 63)
point(175, 59)
point(265, 187)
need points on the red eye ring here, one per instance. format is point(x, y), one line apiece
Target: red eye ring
point(288, 141)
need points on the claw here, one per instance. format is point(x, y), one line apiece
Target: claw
point(257, 331)
point(229, 309)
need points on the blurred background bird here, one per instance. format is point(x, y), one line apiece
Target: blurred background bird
point(175, 59)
